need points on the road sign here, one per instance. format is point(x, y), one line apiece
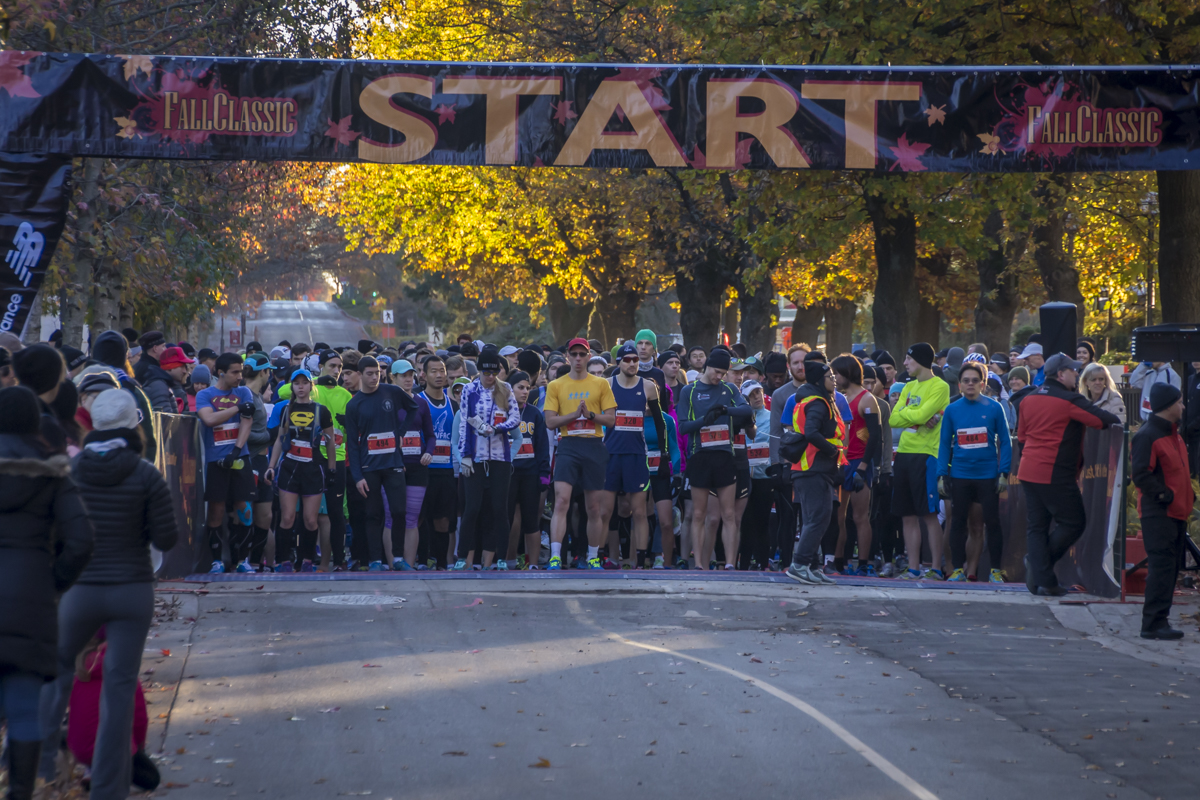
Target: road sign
point(235, 338)
point(388, 316)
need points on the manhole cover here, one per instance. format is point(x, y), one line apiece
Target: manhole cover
point(358, 599)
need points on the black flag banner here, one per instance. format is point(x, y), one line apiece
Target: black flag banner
point(34, 193)
point(885, 119)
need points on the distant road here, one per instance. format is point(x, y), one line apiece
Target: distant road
point(296, 321)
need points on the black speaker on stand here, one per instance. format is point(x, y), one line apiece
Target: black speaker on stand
point(1058, 328)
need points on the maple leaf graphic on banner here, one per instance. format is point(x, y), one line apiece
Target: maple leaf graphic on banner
point(12, 78)
point(136, 64)
point(936, 114)
point(446, 112)
point(128, 127)
point(341, 131)
point(563, 112)
point(991, 143)
point(908, 156)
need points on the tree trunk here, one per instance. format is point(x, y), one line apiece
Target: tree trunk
point(760, 315)
point(896, 296)
point(807, 324)
point(78, 281)
point(614, 316)
point(1059, 275)
point(1179, 246)
point(999, 297)
point(567, 317)
point(126, 313)
point(700, 298)
point(33, 324)
point(839, 328)
point(106, 297)
point(928, 327)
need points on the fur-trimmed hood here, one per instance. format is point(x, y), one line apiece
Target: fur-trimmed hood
point(24, 471)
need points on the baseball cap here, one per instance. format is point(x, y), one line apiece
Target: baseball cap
point(1031, 349)
point(281, 367)
point(384, 361)
point(208, 352)
point(1059, 361)
point(749, 386)
point(173, 357)
point(627, 349)
point(509, 350)
point(98, 382)
point(301, 372)
point(401, 366)
point(460, 382)
point(737, 364)
point(754, 363)
point(579, 342)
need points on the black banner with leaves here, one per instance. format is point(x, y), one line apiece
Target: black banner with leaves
point(34, 192)
point(895, 119)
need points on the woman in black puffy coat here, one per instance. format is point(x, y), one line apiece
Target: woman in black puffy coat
point(130, 506)
point(45, 543)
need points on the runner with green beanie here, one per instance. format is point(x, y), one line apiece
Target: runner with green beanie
point(647, 349)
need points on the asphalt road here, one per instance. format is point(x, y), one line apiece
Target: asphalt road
point(296, 321)
point(679, 690)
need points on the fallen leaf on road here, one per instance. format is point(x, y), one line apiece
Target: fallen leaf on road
point(371, 666)
point(455, 753)
point(880, 614)
point(1094, 767)
point(295, 719)
point(331, 710)
point(320, 780)
point(498, 744)
point(1089, 736)
point(542, 763)
point(579, 744)
point(650, 753)
point(170, 785)
point(162, 716)
point(522, 680)
point(166, 653)
point(755, 660)
point(181, 751)
point(383, 708)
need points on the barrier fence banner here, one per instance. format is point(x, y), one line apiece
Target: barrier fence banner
point(179, 459)
point(34, 192)
point(885, 119)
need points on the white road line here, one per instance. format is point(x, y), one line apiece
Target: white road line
point(859, 746)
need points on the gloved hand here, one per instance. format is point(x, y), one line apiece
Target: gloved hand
point(944, 487)
point(1166, 497)
point(227, 461)
point(246, 409)
point(714, 413)
point(1002, 484)
point(485, 430)
point(857, 483)
point(546, 480)
point(467, 466)
point(474, 422)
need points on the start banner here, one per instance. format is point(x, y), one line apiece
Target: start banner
point(34, 193)
point(885, 119)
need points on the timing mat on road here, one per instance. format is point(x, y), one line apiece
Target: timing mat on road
point(717, 576)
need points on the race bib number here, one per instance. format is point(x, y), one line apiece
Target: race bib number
point(1146, 405)
point(739, 442)
point(411, 445)
point(441, 452)
point(714, 436)
point(629, 421)
point(498, 417)
point(225, 433)
point(581, 427)
point(338, 438)
point(653, 458)
point(759, 454)
point(526, 450)
point(972, 438)
point(300, 451)
point(379, 444)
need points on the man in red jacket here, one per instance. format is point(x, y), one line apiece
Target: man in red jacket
point(1050, 430)
point(1161, 474)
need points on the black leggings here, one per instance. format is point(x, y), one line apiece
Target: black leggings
point(756, 540)
point(524, 491)
point(964, 492)
point(885, 527)
point(487, 493)
point(391, 481)
point(335, 493)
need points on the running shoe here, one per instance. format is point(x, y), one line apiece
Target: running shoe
point(729, 566)
point(502, 566)
point(477, 567)
point(338, 568)
point(520, 562)
point(578, 563)
point(217, 568)
point(869, 571)
point(376, 566)
point(286, 566)
point(555, 563)
point(828, 570)
point(824, 577)
point(901, 564)
point(422, 568)
point(803, 574)
point(932, 574)
point(659, 563)
point(712, 565)
point(459, 565)
point(958, 576)
point(681, 563)
point(306, 566)
point(533, 567)
point(998, 576)
point(972, 578)
point(888, 571)
point(430, 563)
point(594, 563)
point(608, 563)
point(910, 575)
point(244, 566)
point(400, 565)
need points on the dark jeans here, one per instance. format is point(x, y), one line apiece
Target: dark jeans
point(335, 492)
point(963, 493)
point(814, 494)
point(1061, 504)
point(785, 511)
point(756, 540)
point(885, 526)
point(19, 696)
point(1163, 538)
point(485, 519)
point(380, 481)
point(125, 610)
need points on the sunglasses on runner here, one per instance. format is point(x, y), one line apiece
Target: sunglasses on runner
point(968, 381)
point(630, 360)
point(579, 353)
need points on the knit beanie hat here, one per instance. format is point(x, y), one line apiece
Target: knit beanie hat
point(114, 410)
point(489, 359)
point(19, 411)
point(922, 353)
point(40, 367)
point(1163, 396)
point(718, 358)
point(646, 335)
point(529, 361)
point(111, 348)
point(814, 373)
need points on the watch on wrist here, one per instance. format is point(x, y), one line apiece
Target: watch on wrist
point(591, 415)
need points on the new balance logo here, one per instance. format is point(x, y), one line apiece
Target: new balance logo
point(27, 249)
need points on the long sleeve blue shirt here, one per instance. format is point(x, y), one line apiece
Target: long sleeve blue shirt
point(975, 441)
